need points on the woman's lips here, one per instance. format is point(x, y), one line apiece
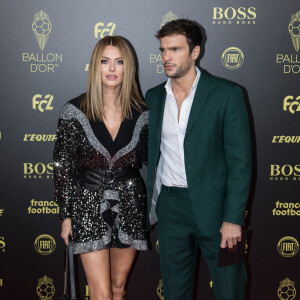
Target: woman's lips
point(111, 77)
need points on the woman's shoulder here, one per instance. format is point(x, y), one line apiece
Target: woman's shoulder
point(140, 110)
point(144, 107)
point(140, 114)
point(72, 108)
point(77, 101)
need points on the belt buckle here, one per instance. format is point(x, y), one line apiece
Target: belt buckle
point(109, 176)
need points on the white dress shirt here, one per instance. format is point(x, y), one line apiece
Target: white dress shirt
point(171, 168)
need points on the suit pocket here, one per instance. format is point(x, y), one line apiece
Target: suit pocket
point(220, 182)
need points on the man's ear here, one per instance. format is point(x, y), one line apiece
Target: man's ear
point(196, 52)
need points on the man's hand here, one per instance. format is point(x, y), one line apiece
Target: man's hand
point(66, 230)
point(231, 234)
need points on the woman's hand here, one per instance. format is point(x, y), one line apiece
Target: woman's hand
point(66, 230)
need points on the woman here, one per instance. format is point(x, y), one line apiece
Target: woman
point(101, 144)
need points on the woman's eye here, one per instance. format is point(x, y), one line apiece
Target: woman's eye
point(104, 61)
point(120, 62)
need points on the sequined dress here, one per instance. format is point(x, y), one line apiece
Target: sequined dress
point(115, 214)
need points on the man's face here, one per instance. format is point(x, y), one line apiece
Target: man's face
point(175, 55)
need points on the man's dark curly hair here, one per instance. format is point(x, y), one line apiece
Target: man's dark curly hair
point(190, 29)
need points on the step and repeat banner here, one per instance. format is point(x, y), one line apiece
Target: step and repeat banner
point(45, 52)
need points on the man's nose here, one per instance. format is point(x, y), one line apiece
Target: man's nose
point(166, 56)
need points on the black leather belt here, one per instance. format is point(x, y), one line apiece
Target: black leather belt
point(92, 179)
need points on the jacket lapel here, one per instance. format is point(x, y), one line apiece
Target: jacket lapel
point(160, 113)
point(199, 99)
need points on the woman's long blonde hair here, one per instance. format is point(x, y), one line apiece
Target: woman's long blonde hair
point(92, 104)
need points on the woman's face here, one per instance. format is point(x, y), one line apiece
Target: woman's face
point(112, 68)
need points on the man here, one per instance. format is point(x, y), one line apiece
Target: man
point(199, 167)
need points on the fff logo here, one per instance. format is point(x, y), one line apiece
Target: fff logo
point(102, 31)
point(291, 104)
point(40, 103)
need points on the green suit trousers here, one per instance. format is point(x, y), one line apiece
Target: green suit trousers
point(179, 239)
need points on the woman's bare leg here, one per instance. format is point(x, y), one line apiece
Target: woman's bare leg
point(120, 264)
point(96, 265)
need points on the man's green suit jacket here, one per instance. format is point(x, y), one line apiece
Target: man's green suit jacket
point(217, 152)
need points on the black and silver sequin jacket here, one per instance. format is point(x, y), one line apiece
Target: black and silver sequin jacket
point(84, 144)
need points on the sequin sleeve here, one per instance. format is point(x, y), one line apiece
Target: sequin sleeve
point(144, 144)
point(142, 134)
point(65, 158)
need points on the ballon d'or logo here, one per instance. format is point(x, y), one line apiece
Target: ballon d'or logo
point(41, 27)
point(160, 292)
point(294, 29)
point(286, 290)
point(45, 288)
point(168, 17)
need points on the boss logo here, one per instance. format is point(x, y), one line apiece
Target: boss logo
point(285, 172)
point(231, 13)
point(38, 170)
